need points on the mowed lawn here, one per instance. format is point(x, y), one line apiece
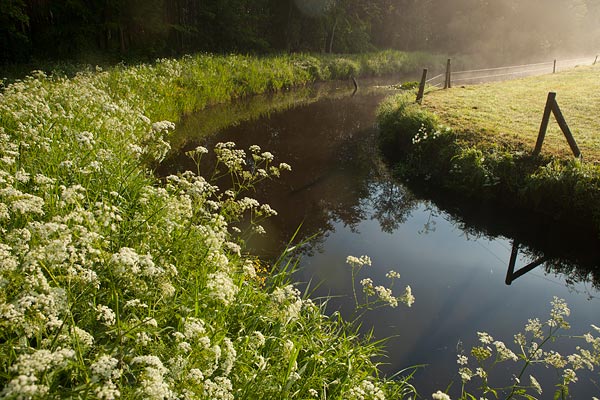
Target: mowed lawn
point(509, 113)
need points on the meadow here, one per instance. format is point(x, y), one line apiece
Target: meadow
point(477, 141)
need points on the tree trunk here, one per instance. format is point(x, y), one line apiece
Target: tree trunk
point(331, 36)
point(122, 38)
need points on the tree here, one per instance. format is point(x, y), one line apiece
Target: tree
point(13, 30)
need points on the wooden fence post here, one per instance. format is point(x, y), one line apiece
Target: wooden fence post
point(552, 107)
point(596, 59)
point(544, 125)
point(448, 83)
point(422, 87)
point(554, 68)
point(565, 129)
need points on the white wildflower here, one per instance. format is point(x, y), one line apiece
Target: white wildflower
point(535, 327)
point(569, 376)
point(22, 176)
point(367, 285)
point(218, 389)
point(385, 295)
point(408, 297)
point(554, 359)
point(358, 261)
point(230, 356)
point(462, 359)
point(193, 328)
point(201, 150)
point(105, 315)
point(465, 374)
point(535, 384)
point(85, 139)
point(285, 167)
point(24, 387)
point(105, 368)
point(126, 260)
point(196, 376)
point(257, 340)
point(485, 338)
point(268, 156)
point(504, 353)
point(41, 360)
point(393, 275)
point(163, 126)
point(439, 395)
point(366, 390)
point(221, 287)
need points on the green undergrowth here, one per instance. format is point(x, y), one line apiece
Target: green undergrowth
point(448, 157)
point(168, 88)
point(115, 284)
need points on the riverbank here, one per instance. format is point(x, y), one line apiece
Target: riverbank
point(116, 284)
point(477, 142)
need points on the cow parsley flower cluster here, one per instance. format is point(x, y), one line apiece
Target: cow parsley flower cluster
point(530, 343)
point(383, 295)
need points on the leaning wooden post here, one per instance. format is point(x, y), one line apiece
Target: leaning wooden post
point(448, 83)
point(554, 68)
point(544, 126)
point(596, 59)
point(552, 107)
point(422, 86)
point(565, 129)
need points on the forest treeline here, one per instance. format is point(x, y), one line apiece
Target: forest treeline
point(499, 29)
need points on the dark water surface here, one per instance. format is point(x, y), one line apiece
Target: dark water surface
point(454, 256)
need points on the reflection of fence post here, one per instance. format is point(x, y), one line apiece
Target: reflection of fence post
point(552, 106)
point(448, 83)
point(512, 262)
point(554, 68)
point(422, 87)
point(511, 275)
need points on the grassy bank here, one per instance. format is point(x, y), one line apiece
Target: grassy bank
point(477, 141)
point(168, 88)
point(117, 285)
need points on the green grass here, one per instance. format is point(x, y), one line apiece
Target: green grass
point(510, 113)
point(115, 284)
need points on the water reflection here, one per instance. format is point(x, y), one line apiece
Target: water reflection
point(511, 274)
point(453, 254)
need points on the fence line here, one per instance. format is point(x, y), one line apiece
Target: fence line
point(524, 69)
point(498, 75)
point(498, 68)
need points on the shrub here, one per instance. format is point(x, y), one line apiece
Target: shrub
point(399, 120)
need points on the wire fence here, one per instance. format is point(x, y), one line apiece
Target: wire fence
point(476, 76)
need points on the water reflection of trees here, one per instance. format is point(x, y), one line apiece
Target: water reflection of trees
point(337, 178)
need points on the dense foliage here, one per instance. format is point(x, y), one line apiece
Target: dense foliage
point(115, 284)
point(499, 30)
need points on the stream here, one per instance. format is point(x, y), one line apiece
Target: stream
point(341, 198)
